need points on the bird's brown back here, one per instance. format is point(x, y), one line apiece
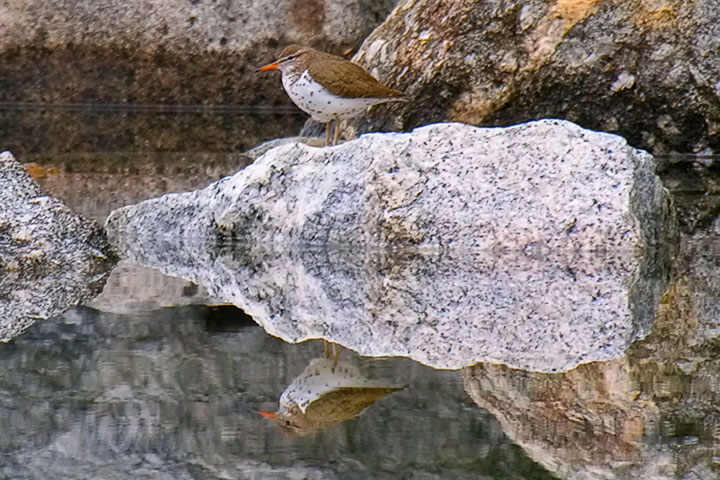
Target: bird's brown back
point(348, 79)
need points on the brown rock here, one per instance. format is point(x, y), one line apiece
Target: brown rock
point(645, 70)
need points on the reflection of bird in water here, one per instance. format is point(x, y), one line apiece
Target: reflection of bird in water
point(327, 392)
point(334, 350)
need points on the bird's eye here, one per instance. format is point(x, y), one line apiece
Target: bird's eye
point(287, 422)
point(289, 57)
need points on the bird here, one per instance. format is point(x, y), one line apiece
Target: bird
point(327, 392)
point(328, 87)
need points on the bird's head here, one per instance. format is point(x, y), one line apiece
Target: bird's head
point(291, 419)
point(294, 57)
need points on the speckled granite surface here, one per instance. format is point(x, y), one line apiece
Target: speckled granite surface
point(536, 246)
point(547, 184)
point(50, 258)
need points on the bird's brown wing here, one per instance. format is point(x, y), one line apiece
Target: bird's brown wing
point(349, 80)
point(344, 403)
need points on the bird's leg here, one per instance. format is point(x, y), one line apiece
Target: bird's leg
point(337, 132)
point(334, 351)
point(327, 132)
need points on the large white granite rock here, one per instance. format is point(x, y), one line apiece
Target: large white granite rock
point(545, 184)
point(539, 246)
point(50, 258)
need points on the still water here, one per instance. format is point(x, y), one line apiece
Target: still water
point(159, 378)
point(175, 393)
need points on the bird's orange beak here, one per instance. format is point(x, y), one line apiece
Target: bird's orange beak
point(272, 66)
point(267, 414)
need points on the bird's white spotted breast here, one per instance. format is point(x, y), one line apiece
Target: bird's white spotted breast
point(323, 375)
point(320, 104)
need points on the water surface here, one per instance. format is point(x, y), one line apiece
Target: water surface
point(160, 378)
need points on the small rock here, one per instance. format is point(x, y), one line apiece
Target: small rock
point(48, 254)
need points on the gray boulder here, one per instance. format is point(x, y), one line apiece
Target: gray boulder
point(540, 246)
point(645, 70)
point(50, 258)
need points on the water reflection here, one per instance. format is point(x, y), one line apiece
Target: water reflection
point(42, 133)
point(174, 393)
point(446, 309)
point(327, 392)
point(652, 413)
point(108, 156)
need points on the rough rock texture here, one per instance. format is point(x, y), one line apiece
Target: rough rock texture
point(647, 70)
point(165, 51)
point(50, 258)
point(694, 184)
point(651, 414)
point(451, 245)
point(546, 184)
point(265, 147)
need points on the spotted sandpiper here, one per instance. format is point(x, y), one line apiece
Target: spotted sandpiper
point(327, 392)
point(328, 87)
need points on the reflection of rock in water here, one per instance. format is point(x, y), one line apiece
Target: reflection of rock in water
point(93, 395)
point(326, 393)
point(446, 309)
point(131, 288)
point(427, 245)
point(50, 258)
point(651, 414)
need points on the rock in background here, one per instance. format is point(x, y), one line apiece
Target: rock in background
point(165, 51)
point(645, 70)
point(147, 57)
point(451, 245)
point(50, 258)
